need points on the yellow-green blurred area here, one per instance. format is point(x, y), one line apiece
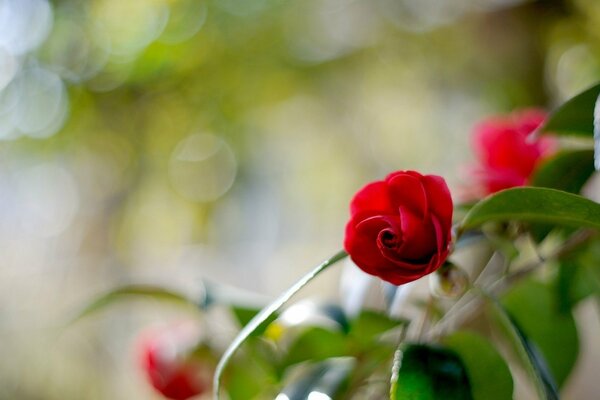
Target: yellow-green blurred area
point(166, 141)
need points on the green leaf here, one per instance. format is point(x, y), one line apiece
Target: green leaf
point(133, 291)
point(527, 352)
point(577, 279)
point(597, 134)
point(488, 373)
point(265, 314)
point(315, 344)
point(576, 116)
point(252, 375)
point(314, 313)
point(587, 279)
point(424, 372)
point(534, 205)
point(534, 307)
point(327, 379)
point(243, 315)
point(368, 325)
point(567, 171)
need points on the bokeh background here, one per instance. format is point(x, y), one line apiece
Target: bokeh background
point(169, 141)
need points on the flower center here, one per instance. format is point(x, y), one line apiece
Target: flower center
point(389, 239)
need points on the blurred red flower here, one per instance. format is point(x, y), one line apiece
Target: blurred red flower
point(400, 228)
point(166, 356)
point(507, 153)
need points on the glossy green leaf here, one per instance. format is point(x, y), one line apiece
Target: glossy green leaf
point(535, 205)
point(567, 171)
point(265, 314)
point(320, 381)
point(429, 373)
point(527, 352)
point(130, 292)
point(488, 373)
point(576, 116)
point(535, 308)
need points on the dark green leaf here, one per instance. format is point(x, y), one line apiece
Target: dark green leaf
point(488, 373)
point(535, 205)
point(567, 171)
point(587, 280)
point(527, 352)
point(576, 281)
point(428, 373)
point(535, 309)
point(597, 134)
point(327, 378)
point(576, 116)
point(134, 291)
point(243, 315)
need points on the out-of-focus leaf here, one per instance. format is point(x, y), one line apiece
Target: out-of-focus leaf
point(527, 352)
point(597, 134)
point(488, 373)
point(249, 378)
point(535, 205)
point(316, 344)
point(265, 314)
point(313, 313)
point(243, 315)
point(134, 291)
point(504, 244)
point(576, 281)
point(423, 372)
point(576, 116)
point(567, 171)
point(324, 380)
point(368, 325)
point(536, 311)
point(588, 281)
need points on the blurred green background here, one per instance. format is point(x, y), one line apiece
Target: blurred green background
point(165, 141)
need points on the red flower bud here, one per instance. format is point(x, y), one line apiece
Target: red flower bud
point(167, 362)
point(400, 228)
point(506, 151)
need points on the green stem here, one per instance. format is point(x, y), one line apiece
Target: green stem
point(265, 314)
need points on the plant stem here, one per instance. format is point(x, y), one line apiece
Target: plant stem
point(469, 299)
point(264, 314)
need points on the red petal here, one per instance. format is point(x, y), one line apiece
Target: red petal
point(373, 198)
point(439, 199)
point(407, 191)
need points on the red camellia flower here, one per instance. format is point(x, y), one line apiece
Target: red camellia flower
point(506, 152)
point(167, 362)
point(400, 228)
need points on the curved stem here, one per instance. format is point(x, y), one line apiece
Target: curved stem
point(264, 314)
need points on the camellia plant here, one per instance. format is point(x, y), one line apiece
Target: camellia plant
point(506, 266)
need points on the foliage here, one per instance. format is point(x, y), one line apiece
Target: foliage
point(517, 312)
